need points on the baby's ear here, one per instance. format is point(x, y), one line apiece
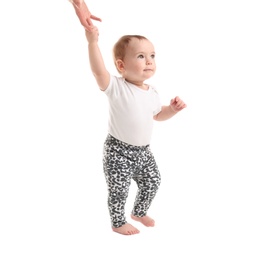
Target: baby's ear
point(120, 65)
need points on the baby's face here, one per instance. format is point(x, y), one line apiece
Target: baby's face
point(139, 61)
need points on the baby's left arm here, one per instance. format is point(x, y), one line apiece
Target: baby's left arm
point(176, 105)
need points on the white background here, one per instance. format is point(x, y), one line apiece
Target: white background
point(212, 203)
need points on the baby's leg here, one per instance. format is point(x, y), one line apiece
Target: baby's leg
point(118, 173)
point(148, 181)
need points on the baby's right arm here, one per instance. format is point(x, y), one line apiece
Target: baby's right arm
point(97, 65)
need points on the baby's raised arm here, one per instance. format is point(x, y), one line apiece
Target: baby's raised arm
point(97, 65)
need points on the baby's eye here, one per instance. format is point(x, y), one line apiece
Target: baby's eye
point(141, 56)
point(153, 56)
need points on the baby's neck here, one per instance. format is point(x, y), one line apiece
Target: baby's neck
point(140, 85)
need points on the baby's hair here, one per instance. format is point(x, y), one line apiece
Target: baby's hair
point(119, 50)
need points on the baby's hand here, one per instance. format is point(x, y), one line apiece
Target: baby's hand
point(177, 104)
point(92, 34)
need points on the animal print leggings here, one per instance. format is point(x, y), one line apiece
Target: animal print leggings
point(122, 163)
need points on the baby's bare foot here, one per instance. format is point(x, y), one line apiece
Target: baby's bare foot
point(145, 220)
point(126, 229)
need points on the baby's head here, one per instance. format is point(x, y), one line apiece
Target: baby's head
point(134, 57)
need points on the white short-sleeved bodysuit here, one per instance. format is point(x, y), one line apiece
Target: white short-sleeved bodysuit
point(131, 111)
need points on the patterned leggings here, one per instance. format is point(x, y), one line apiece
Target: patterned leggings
point(122, 163)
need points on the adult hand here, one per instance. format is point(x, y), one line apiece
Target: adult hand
point(83, 13)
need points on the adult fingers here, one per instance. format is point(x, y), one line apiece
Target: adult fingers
point(93, 17)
